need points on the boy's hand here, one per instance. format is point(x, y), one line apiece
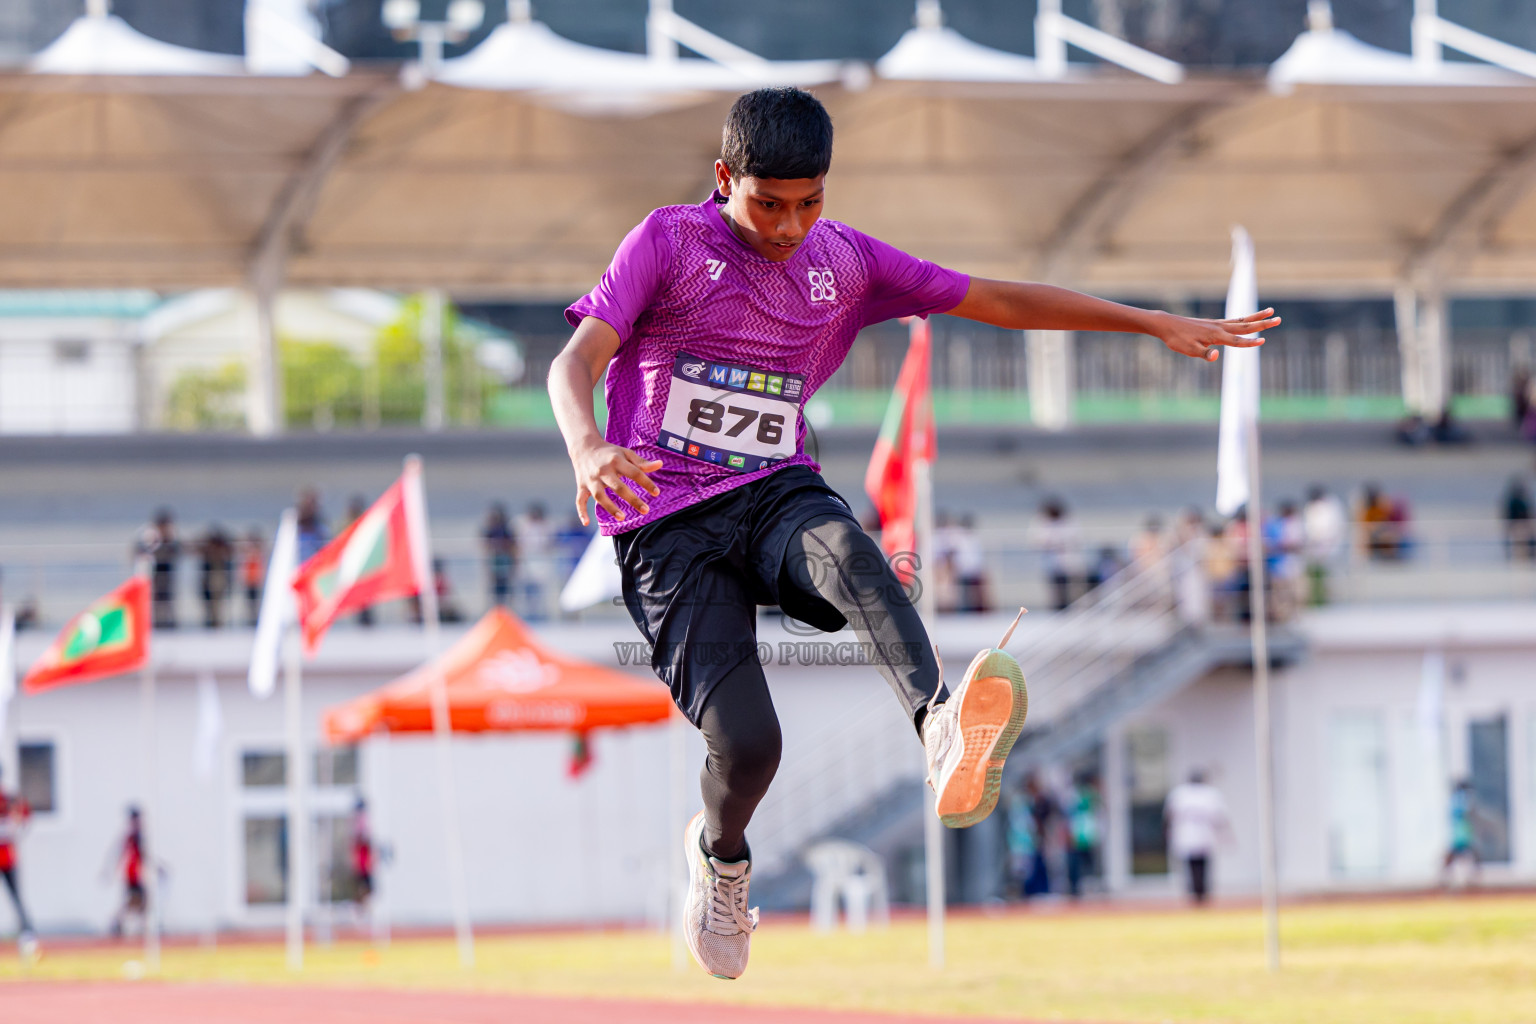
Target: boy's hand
point(1202, 339)
point(604, 467)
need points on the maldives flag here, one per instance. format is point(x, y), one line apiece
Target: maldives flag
point(906, 438)
point(109, 638)
point(380, 557)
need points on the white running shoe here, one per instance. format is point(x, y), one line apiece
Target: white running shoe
point(716, 920)
point(968, 737)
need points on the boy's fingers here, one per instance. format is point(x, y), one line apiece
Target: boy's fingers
point(636, 471)
point(582, 497)
point(608, 504)
point(1249, 326)
point(623, 492)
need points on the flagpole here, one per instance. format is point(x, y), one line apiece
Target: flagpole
point(1262, 727)
point(442, 726)
point(150, 826)
point(677, 758)
point(298, 833)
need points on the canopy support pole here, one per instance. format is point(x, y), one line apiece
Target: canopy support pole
point(298, 832)
point(1262, 726)
point(150, 873)
point(442, 725)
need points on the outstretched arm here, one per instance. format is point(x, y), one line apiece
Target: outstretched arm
point(599, 466)
point(1043, 307)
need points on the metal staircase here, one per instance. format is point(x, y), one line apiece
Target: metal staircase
point(1123, 647)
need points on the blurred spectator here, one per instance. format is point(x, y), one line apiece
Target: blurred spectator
point(1323, 526)
point(1285, 543)
point(1107, 563)
point(1149, 560)
point(362, 858)
point(1021, 841)
point(500, 552)
point(447, 607)
point(1448, 430)
point(312, 533)
point(1463, 841)
point(1519, 534)
point(1196, 817)
point(128, 856)
point(253, 572)
point(1414, 431)
point(945, 541)
point(1520, 396)
point(1045, 816)
point(970, 566)
point(1224, 570)
point(536, 545)
point(1055, 536)
point(15, 815)
point(157, 545)
point(1187, 570)
point(216, 554)
point(1083, 838)
point(357, 507)
point(1379, 525)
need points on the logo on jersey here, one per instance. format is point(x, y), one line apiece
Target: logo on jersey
point(737, 462)
point(823, 287)
point(718, 374)
point(738, 378)
point(714, 268)
point(693, 449)
point(756, 381)
point(695, 370)
point(675, 443)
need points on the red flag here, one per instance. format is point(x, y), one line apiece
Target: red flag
point(109, 638)
point(373, 560)
point(906, 438)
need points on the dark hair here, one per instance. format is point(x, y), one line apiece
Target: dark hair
point(777, 133)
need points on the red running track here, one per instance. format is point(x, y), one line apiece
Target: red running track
point(151, 1003)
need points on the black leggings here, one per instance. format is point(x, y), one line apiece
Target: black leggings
point(9, 874)
point(833, 574)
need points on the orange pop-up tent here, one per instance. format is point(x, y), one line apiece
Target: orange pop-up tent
point(501, 678)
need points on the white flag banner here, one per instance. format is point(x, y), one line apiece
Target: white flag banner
point(279, 609)
point(416, 527)
point(595, 579)
point(7, 662)
point(1239, 384)
point(210, 728)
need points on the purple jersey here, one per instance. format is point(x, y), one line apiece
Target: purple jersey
point(720, 347)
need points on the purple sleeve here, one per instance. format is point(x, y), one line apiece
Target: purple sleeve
point(631, 282)
point(903, 285)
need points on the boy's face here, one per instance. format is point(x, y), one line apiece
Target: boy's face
point(772, 215)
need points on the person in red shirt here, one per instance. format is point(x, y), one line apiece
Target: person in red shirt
point(362, 857)
point(131, 861)
point(15, 813)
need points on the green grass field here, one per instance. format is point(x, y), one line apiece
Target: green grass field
point(1467, 961)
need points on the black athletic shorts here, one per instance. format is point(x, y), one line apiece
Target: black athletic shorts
point(693, 579)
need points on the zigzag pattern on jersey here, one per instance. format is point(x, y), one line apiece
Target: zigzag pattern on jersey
point(758, 313)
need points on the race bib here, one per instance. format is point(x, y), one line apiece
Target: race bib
point(739, 417)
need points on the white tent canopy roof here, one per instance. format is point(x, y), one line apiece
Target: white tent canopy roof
point(940, 54)
point(104, 44)
point(528, 55)
point(1334, 57)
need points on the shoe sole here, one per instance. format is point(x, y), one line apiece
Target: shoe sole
point(691, 841)
point(994, 703)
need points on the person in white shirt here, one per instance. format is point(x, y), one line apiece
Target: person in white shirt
point(1196, 817)
point(1323, 524)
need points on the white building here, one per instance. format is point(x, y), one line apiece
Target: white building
point(1371, 734)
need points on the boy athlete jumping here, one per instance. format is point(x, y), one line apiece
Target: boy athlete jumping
point(714, 324)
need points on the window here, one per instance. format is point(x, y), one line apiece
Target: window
point(336, 766)
point(261, 768)
point(37, 764)
point(1488, 763)
point(1146, 758)
point(266, 859)
point(71, 350)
